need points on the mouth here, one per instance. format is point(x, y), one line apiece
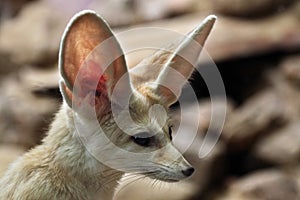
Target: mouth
point(163, 176)
point(170, 180)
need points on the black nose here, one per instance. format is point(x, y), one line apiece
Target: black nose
point(189, 171)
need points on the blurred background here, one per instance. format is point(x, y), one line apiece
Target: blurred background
point(256, 47)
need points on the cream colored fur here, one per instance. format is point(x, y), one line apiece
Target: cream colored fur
point(62, 167)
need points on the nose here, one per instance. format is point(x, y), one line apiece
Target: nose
point(188, 172)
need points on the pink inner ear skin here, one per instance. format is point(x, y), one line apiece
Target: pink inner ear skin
point(91, 79)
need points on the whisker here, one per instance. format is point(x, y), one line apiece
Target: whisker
point(137, 178)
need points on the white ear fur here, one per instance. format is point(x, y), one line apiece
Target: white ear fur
point(180, 65)
point(85, 31)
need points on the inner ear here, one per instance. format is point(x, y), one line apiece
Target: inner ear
point(90, 79)
point(82, 35)
point(91, 60)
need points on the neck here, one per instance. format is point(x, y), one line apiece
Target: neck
point(73, 157)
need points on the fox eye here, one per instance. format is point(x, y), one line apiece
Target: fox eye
point(142, 139)
point(170, 132)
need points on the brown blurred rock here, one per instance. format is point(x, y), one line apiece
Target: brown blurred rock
point(233, 37)
point(9, 8)
point(230, 38)
point(263, 185)
point(38, 79)
point(156, 9)
point(281, 147)
point(33, 36)
point(289, 94)
point(202, 112)
point(295, 172)
point(24, 117)
point(260, 114)
point(291, 69)
point(7, 66)
point(137, 11)
point(252, 8)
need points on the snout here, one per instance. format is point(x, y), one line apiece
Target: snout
point(183, 166)
point(172, 165)
point(176, 171)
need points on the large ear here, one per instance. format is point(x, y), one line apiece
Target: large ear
point(91, 60)
point(178, 62)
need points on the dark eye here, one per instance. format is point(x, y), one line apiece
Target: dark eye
point(142, 139)
point(170, 132)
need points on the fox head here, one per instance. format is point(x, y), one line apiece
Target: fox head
point(133, 130)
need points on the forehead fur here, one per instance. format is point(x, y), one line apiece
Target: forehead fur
point(140, 106)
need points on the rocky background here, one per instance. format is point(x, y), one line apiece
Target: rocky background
point(256, 46)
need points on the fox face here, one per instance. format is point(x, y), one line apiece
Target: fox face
point(121, 115)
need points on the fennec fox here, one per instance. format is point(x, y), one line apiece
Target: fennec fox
point(84, 155)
